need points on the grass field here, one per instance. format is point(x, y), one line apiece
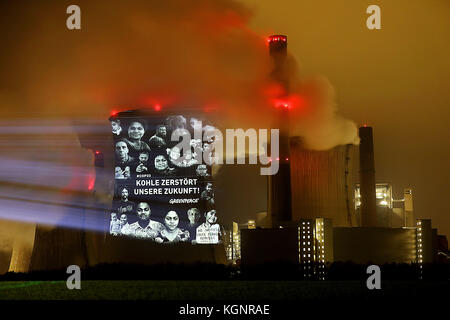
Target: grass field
point(216, 290)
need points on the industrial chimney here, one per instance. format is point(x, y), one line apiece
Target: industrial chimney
point(367, 178)
point(279, 185)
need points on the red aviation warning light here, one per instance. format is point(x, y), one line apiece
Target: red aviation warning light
point(157, 107)
point(277, 38)
point(293, 101)
point(99, 159)
point(277, 45)
point(283, 104)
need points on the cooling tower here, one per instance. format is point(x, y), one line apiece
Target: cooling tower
point(6, 247)
point(21, 256)
point(57, 248)
point(321, 183)
point(5, 259)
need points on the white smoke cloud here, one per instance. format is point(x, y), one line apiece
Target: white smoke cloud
point(177, 53)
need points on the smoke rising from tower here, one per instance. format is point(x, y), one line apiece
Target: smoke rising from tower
point(147, 53)
point(142, 54)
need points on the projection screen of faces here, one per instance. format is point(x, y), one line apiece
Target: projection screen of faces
point(163, 189)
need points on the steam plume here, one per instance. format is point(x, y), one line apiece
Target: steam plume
point(139, 53)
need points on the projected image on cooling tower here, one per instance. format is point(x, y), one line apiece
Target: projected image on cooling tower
point(163, 188)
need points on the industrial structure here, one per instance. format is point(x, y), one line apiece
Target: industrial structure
point(331, 213)
point(318, 211)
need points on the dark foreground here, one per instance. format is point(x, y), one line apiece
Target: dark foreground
point(226, 299)
point(220, 290)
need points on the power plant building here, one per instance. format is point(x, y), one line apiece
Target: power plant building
point(322, 207)
point(337, 216)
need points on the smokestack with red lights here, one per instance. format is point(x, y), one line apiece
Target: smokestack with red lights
point(279, 185)
point(367, 178)
point(278, 52)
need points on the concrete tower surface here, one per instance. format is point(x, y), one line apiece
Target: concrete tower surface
point(367, 177)
point(279, 185)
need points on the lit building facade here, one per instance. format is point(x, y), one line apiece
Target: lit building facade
point(424, 243)
point(236, 242)
point(315, 245)
point(384, 204)
point(232, 241)
point(306, 246)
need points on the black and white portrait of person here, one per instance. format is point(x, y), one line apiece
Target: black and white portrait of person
point(114, 225)
point(116, 128)
point(122, 172)
point(196, 124)
point(202, 171)
point(196, 144)
point(144, 227)
point(136, 131)
point(210, 134)
point(158, 140)
point(176, 122)
point(208, 153)
point(197, 151)
point(122, 153)
point(142, 167)
point(193, 215)
point(182, 161)
point(172, 233)
point(124, 161)
point(209, 231)
point(208, 194)
point(123, 221)
point(161, 166)
point(124, 205)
